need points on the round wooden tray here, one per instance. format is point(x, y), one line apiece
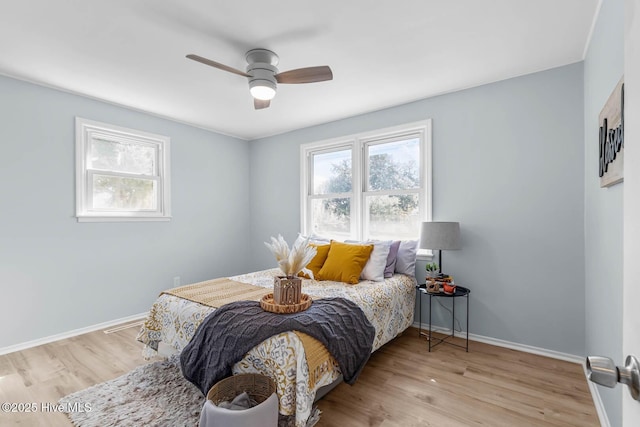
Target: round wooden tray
point(268, 304)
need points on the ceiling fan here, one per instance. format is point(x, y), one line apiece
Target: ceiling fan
point(263, 74)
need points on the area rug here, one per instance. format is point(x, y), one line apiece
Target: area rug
point(155, 394)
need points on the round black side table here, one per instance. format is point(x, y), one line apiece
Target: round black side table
point(461, 291)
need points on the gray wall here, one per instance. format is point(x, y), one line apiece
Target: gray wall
point(509, 165)
point(56, 274)
point(603, 67)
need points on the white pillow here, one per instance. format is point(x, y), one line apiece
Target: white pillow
point(374, 268)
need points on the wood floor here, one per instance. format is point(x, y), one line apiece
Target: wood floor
point(405, 385)
point(402, 384)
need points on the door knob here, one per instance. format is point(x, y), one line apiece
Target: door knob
point(603, 371)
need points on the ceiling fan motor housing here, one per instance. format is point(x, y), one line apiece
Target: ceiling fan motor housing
point(262, 68)
point(264, 76)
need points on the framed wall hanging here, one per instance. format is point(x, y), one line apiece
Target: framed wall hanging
point(611, 138)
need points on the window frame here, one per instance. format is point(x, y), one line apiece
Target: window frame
point(359, 162)
point(88, 130)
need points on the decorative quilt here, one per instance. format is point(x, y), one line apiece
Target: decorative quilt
point(388, 305)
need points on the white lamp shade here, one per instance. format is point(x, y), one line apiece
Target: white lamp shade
point(440, 235)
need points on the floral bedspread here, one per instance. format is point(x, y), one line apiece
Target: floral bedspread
point(388, 305)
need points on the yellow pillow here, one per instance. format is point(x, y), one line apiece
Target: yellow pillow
point(345, 262)
point(318, 261)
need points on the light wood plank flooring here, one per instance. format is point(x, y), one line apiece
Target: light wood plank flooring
point(405, 385)
point(402, 384)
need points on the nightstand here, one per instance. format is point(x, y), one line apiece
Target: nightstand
point(461, 291)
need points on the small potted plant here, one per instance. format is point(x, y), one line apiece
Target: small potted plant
point(432, 273)
point(432, 270)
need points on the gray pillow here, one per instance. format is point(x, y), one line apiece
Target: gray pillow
point(391, 259)
point(406, 259)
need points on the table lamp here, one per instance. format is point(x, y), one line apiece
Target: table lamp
point(440, 235)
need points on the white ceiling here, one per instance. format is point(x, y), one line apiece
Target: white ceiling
point(382, 53)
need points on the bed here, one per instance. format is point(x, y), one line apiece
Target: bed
point(388, 305)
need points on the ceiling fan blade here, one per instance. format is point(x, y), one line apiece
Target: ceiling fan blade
point(259, 104)
point(305, 75)
point(217, 65)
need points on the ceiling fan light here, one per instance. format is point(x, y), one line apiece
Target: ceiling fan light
point(265, 93)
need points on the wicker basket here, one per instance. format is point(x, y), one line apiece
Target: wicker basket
point(268, 304)
point(258, 387)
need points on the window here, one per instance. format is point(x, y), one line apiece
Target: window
point(121, 174)
point(368, 186)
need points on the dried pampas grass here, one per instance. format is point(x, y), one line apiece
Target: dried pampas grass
point(295, 260)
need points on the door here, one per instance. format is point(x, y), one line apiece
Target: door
point(631, 197)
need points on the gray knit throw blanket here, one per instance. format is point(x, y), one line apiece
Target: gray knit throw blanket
point(228, 333)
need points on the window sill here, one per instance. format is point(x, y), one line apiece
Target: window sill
point(424, 257)
point(123, 218)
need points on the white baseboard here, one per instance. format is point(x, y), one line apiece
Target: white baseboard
point(508, 344)
point(69, 334)
point(595, 394)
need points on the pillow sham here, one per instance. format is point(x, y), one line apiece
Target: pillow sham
point(406, 259)
point(345, 262)
point(318, 261)
point(390, 268)
point(374, 268)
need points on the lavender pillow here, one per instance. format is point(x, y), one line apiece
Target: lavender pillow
point(391, 259)
point(406, 260)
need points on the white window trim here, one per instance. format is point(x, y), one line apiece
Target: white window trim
point(357, 141)
point(84, 130)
